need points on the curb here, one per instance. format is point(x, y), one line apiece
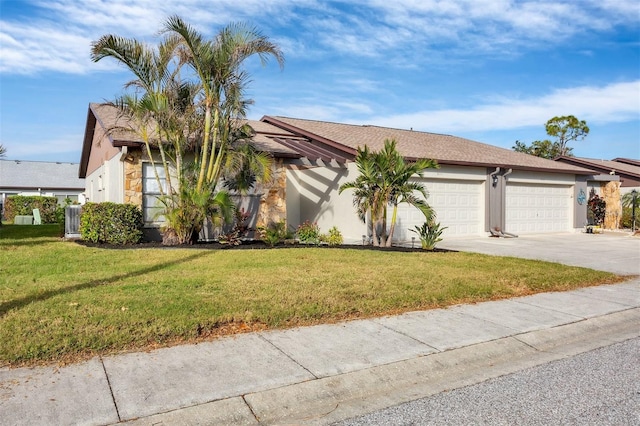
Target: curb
point(327, 400)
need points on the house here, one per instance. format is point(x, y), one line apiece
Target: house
point(116, 167)
point(52, 179)
point(478, 187)
point(628, 171)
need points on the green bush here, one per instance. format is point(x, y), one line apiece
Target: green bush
point(627, 219)
point(18, 205)
point(111, 223)
point(308, 232)
point(333, 237)
point(274, 233)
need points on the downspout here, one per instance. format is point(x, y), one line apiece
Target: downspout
point(494, 173)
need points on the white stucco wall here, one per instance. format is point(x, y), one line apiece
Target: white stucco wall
point(106, 183)
point(312, 194)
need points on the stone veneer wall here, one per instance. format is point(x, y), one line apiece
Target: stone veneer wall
point(610, 193)
point(273, 204)
point(133, 179)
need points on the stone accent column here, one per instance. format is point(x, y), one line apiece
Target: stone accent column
point(133, 179)
point(610, 193)
point(273, 204)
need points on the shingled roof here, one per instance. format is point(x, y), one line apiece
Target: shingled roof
point(626, 168)
point(33, 175)
point(268, 138)
point(605, 166)
point(446, 149)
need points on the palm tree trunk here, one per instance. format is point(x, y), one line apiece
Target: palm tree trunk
point(394, 217)
point(204, 155)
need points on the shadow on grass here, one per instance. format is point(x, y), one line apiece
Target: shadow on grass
point(27, 242)
point(25, 232)
point(24, 301)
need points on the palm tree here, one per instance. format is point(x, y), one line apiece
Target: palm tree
point(367, 190)
point(3, 151)
point(218, 65)
point(397, 175)
point(384, 180)
point(155, 77)
point(176, 116)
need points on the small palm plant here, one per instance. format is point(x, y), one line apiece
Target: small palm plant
point(429, 234)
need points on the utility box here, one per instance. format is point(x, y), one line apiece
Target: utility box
point(72, 221)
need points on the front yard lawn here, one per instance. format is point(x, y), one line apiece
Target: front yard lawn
point(63, 302)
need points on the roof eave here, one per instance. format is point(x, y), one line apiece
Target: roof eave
point(86, 143)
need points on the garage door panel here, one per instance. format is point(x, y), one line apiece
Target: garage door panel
point(532, 208)
point(457, 205)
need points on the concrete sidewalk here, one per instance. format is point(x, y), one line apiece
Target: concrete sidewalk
point(325, 373)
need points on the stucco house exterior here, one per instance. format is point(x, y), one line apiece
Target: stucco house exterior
point(51, 179)
point(478, 187)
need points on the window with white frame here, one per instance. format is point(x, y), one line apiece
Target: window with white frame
point(151, 205)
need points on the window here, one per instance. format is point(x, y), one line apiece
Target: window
point(151, 205)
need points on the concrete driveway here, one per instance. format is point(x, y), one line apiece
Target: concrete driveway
point(613, 252)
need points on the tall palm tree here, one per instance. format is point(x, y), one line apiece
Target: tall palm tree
point(396, 175)
point(367, 190)
point(218, 65)
point(384, 180)
point(155, 76)
point(171, 114)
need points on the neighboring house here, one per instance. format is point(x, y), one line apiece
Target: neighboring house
point(477, 187)
point(627, 170)
point(53, 179)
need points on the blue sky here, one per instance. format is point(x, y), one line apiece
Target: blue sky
point(490, 70)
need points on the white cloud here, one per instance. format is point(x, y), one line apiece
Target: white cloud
point(617, 102)
point(55, 35)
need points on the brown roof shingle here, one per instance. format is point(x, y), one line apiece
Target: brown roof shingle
point(446, 149)
point(605, 166)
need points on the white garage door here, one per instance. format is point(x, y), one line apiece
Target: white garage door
point(459, 205)
point(532, 208)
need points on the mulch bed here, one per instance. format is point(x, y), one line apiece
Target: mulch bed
point(252, 245)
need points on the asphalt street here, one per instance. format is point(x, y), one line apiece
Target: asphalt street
point(600, 387)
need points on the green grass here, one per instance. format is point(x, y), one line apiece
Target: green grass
point(60, 301)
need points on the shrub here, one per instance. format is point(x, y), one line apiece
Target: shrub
point(308, 232)
point(333, 237)
point(627, 218)
point(23, 205)
point(240, 228)
point(274, 233)
point(596, 208)
point(429, 234)
point(111, 223)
